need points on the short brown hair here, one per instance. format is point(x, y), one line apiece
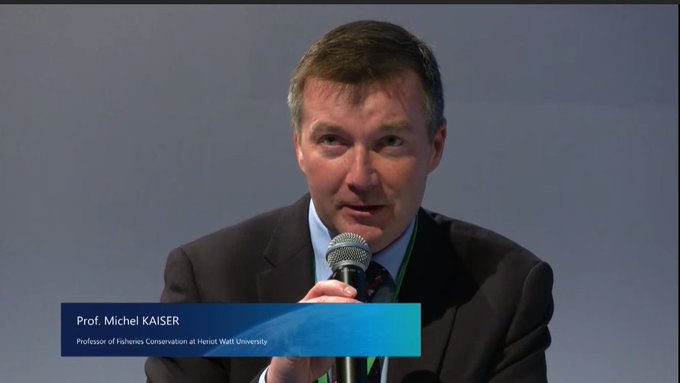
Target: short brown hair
point(368, 51)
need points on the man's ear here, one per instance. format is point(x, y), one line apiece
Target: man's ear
point(437, 143)
point(297, 141)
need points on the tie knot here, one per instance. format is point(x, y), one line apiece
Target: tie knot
point(379, 283)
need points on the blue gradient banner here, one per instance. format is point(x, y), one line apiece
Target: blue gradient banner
point(240, 330)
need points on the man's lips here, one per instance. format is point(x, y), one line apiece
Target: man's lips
point(364, 208)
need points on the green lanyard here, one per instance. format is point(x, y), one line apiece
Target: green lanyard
point(400, 279)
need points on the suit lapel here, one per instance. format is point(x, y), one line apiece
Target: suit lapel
point(430, 280)
point(287, 271)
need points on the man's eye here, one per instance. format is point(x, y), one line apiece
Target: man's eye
point(330, 140)
point(392, 141)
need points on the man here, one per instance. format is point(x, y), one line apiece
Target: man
point(367, 112)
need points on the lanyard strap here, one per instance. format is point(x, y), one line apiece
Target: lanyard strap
point(405, 261)
point(400, 280)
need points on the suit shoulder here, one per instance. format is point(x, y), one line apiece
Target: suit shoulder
point(248, 234)
point(498, 271)
point(485, 251)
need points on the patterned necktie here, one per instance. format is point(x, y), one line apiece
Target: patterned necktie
point(380, 287)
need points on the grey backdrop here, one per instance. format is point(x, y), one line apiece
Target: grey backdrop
point(128, 130)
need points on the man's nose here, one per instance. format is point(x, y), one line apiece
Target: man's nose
point(361, 175)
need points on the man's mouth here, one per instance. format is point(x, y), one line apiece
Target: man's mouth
point(365, 208)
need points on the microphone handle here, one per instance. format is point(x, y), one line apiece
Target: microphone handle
point(355, 277)
point(352, 370)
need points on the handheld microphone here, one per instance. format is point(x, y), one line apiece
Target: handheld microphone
point(349, 256)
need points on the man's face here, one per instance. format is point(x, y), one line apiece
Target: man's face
point(366, 154)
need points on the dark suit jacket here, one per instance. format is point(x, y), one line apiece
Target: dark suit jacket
point(486, 301)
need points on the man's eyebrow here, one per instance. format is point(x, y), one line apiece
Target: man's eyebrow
point(399, 127)
point(396, 127)
point(322, 128)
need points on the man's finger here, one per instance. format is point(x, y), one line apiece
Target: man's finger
point(330, 288)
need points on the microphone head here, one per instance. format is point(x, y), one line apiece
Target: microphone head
point(348, 249)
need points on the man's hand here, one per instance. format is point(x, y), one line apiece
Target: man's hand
point(305, 370)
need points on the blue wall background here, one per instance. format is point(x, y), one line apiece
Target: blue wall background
point(128, 130)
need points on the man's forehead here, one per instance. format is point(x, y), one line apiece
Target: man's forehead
point(356, 93)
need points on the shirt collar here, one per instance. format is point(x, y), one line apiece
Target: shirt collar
point(390, 258)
